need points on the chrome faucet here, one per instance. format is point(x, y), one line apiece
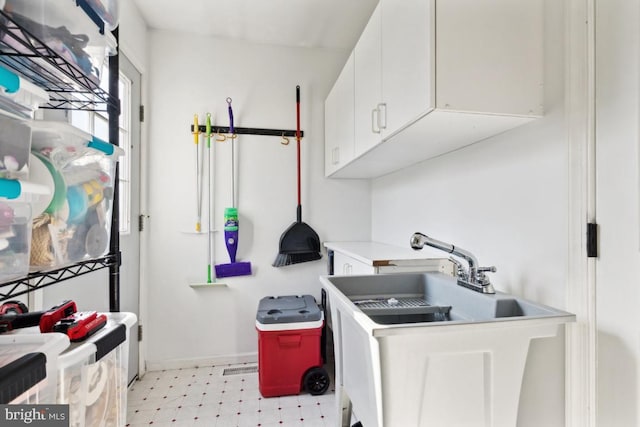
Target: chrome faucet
point(473, 278)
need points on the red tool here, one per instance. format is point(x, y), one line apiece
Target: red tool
point(13, 307)
point(53, 315)
point(12, 319)
point(79, 326)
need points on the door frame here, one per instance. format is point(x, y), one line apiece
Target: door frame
point(581, 336)
point(144, 206)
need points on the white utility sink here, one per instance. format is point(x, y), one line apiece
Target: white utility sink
point(417, 349)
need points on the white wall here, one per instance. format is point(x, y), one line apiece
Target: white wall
point(505, 200)
point(618, 265)
point(192, 74)
point(133, 35)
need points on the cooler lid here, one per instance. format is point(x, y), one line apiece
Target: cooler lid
point(288, 309)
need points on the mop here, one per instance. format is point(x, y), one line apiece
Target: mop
point(196, 140)
point(211, 279)
point(231, 224)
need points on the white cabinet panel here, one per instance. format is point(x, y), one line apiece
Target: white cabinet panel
point(368, 74)
point(346, 265)
point(338, 120)
point(489, 56)
point(408, 77)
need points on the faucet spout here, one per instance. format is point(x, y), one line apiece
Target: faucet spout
point(418, 240)
point(473, 278)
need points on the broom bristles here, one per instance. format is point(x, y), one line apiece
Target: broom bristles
point(284, 259)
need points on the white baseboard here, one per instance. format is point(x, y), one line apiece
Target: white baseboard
point(160, 365)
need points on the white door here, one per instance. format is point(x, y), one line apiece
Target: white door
point(617, 213)
point(130, 84)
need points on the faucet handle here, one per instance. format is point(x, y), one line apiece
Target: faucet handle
point(460, 270)
point(483, 279)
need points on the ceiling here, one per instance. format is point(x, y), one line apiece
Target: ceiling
point(332, 24)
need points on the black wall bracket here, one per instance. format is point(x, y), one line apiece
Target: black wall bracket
point(248, 131)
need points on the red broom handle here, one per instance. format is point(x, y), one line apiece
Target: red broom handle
point(298, 140)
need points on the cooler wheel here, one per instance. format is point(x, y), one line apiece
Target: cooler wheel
point(316, 381)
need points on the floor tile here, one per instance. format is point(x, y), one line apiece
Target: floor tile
point(205, 397)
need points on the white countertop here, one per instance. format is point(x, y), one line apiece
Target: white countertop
point(374, 253)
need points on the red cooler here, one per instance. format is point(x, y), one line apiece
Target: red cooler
point(289, 359)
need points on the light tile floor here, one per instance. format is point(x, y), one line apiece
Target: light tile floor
point(204, 397)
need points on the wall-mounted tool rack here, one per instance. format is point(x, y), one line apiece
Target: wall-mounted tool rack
point(69, 89)
point(248, 131)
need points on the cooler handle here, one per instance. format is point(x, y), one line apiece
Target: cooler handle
point(289, 340)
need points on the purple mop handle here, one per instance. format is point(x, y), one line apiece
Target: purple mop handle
point(232, 128)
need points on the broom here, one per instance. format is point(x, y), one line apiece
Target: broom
point(299, 243)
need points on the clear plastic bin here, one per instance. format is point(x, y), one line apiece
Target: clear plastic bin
point(19, 97)
point(73, 381)
point(16, 199)
point(27, 384)
point(92, 375)
point(76, 224)
point(65, 28)
point(107, 11)
point(15, 145)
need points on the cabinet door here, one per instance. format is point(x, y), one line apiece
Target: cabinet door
point(408, 77)
point(338, 121)
point(368, 85)
point(344, 265)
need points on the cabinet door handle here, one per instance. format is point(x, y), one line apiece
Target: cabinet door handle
point(335, 155)
point(346, 269)
point(375, 118)
point(382, 115)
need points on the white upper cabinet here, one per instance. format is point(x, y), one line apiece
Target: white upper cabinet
point(432, 76)
point(408, 79)
point(368, 85)
point(338, 120)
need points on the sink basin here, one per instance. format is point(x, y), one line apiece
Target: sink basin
point(434, 290)
point(418, 349)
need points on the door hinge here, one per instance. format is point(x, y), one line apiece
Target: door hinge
point(592, 240)
point(139, 333)
point(142, 114)
point(141, 219)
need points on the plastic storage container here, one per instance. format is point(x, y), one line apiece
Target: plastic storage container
point(27, 377)
point(16, 201)
point(15, 145)
point(76, 224)
point(93, 375)
point(19, 97)
point(106, 10)
point(289, 359)
point(65, 28)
